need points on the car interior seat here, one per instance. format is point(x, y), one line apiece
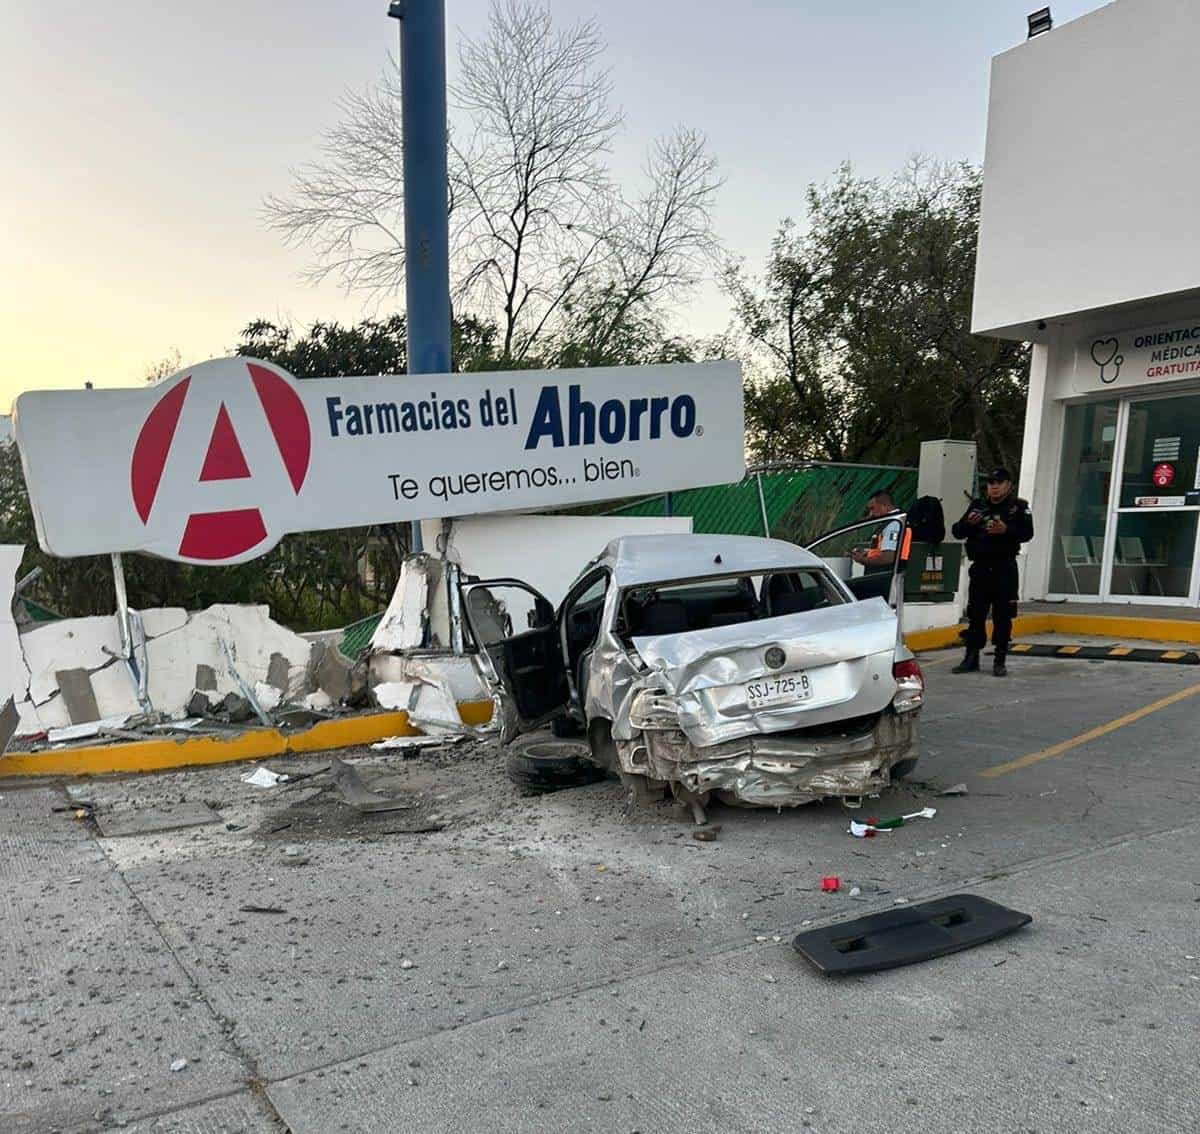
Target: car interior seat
point(664, 616)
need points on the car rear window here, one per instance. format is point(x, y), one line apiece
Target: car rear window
point(703, 604)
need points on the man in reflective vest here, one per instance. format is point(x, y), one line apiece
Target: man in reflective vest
point(993, 528)
point(881, 553)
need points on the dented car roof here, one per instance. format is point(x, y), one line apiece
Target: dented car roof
point(662, 558)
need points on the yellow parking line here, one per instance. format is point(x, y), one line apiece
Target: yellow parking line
point(1083, 738)
point(1020, 649)
point(1120, 651)
point(1172, 655)
point(1069, 649)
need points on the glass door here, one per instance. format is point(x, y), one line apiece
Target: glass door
point(1151, 546)
point(1084, 495)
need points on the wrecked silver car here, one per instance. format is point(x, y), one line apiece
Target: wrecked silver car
point(747, 669)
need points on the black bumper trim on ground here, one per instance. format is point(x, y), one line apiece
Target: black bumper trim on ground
point(907, 934)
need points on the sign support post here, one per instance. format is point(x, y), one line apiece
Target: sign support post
point(426, 224)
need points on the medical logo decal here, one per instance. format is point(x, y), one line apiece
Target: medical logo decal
point(244, 400)
point(1104, 355)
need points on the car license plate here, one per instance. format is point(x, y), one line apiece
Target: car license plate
point(783, 689)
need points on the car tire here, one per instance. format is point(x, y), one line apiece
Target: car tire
point(565, 727)
point(541, 766)
point(901, 769)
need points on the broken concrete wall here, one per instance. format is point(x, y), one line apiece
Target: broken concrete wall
point(402, 626)
point(14, 670)
point(460, 675)
point(547, 552)
point(229, 642)
point(69, 672)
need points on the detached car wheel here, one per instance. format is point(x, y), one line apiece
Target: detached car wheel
point(551, 765)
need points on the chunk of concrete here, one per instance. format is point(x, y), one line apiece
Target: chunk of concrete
point(278, 672)
point(334, 672)
point(75, 686)
point(236, 709)
point(199, 705)
point(267, 695)
point(10, 719)
point(206, 678)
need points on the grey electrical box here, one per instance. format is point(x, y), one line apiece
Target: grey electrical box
point(947, 471)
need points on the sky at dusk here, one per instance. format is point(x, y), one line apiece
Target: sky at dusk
point(138, 139)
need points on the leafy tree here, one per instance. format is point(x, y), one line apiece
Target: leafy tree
point(860, 327)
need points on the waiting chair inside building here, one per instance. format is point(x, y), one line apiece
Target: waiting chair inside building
point(1076, 553)
point(1132, 553)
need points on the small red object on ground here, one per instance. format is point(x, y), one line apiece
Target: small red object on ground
point(829, 885)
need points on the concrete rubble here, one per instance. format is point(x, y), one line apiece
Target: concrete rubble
point(71, 681)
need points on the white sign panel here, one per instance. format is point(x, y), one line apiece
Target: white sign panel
point(1136, 358)
point(216, 463)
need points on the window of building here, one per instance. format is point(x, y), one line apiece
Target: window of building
point(1089, 438)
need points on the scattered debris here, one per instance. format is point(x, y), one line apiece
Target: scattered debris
point(868, 829)
point(86, 730)
point(263, 777)
point(267, 696)
point(707, 834)
point(148, 821)
point(179, 1065)
point(415, 827)
point(251, 908)
point(358, 795)
point(429, 741)
point(830, 885)
point(855, 891)
point(957, 789)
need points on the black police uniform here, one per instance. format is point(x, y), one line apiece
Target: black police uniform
point(993, 573)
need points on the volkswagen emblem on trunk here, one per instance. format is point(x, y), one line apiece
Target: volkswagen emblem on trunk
point(775, 657)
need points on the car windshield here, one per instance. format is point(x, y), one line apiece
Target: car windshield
point(704, 604)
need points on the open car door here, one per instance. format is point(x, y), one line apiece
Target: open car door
point(515, 630)
point(869, 556)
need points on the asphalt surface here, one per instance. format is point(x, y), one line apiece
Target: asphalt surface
point(558, 964)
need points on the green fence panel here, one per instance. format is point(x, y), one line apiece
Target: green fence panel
point(800, 503)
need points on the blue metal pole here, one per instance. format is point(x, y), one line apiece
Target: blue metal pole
point(426, 226)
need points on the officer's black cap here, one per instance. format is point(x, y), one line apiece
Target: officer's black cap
point(999, 475)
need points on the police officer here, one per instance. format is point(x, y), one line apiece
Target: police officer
point(993, 527)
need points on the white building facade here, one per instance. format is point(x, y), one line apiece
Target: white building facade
point(1089, 248)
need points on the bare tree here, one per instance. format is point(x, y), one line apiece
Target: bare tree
point(169, 364)
point(531, 176)
point(539, 230)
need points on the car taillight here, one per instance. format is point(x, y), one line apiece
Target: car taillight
point(910, 686)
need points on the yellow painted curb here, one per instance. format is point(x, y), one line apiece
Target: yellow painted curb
point(1091, 625)
point(253, 744)
point(1123, 626)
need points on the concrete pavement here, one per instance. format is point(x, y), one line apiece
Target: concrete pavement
point(556, 964)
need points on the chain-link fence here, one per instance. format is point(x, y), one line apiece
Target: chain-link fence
point(793, 502)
